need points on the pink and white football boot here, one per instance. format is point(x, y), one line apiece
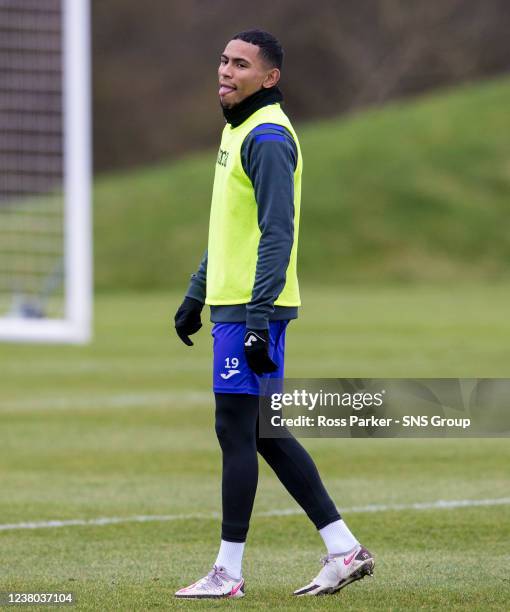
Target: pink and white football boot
point(216, 585)
point(340, 570)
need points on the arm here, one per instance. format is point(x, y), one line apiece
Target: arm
point(269, 156)
point(196, 287)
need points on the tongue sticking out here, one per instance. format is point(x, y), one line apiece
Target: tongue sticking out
point(224, 90)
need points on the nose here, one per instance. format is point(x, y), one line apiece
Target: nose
point(224, 70)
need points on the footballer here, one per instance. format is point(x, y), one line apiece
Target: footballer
point(248, 277)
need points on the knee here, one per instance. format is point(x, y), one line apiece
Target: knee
point(222, 432)
point(231, 436)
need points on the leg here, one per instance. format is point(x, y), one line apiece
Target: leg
point(347, 560)
point(297, 472)
point(236, 428)
point(299, 475)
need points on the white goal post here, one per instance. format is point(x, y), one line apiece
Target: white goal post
point(45, 171)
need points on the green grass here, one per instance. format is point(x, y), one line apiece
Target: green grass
point(414, 191)
point(124, 427)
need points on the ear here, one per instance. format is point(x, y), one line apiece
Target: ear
point(272, 78)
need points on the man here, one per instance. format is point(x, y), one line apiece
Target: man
point(248, 277)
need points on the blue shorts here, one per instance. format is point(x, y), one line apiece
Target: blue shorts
point(231, 373)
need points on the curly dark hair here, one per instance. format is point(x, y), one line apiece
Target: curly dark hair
point(270, 48)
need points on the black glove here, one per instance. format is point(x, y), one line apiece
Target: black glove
point(187, 319)
point(256, 345)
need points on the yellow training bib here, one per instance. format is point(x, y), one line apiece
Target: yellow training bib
point(234, 233)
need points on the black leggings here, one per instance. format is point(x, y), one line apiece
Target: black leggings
point(237, 431)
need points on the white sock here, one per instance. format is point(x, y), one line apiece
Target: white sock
point(230, 556)
point(338, 537)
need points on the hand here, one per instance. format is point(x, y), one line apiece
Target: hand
point(187, 319)
point(256, 345)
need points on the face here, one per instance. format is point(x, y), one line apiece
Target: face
point(242, 72)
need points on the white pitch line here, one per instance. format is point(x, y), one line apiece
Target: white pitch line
point(121, 400)
point(436, 505)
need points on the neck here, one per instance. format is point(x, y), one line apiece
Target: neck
point(240, 112)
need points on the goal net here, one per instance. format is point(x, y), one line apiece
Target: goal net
point(45, 225)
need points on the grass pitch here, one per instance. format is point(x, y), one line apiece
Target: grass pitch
point(124, 427)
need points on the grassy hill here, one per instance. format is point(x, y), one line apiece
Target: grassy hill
point(416, 191)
